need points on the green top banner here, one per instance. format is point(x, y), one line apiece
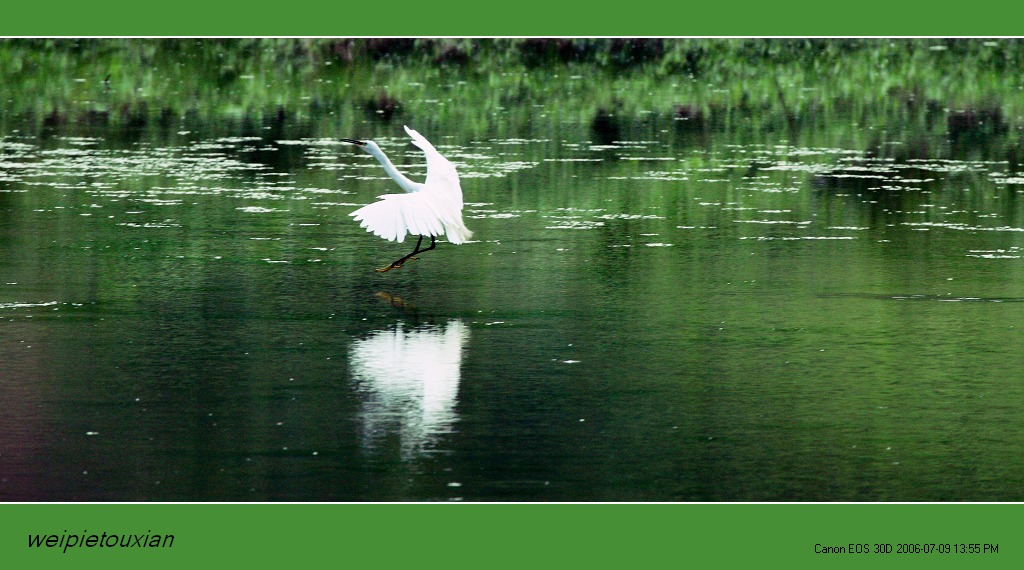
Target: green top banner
point(524, 18)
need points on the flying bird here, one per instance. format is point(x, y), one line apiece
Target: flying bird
point(431, 208)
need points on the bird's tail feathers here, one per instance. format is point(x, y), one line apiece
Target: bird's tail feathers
point(457, 234)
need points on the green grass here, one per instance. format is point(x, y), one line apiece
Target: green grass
point(331, 84)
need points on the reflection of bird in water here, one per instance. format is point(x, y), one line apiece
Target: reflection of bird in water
point(410, 378)
point(393, 300)
point(431, 208)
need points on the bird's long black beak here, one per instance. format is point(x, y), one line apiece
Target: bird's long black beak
point(354, 141)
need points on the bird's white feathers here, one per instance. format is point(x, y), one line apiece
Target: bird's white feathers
point(433, 209)
point(440, 172)
point(424, 213)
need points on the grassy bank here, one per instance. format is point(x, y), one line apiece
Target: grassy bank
point(970, 86)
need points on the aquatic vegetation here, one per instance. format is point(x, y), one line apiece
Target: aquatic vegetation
point(961, 88)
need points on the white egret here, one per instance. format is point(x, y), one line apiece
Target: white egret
point(431, 208)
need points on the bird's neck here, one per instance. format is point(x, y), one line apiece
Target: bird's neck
point(405, 183)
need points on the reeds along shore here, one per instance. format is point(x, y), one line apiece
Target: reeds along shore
point(958, 87)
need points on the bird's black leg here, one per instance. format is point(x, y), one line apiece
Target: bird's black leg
point(402, 261)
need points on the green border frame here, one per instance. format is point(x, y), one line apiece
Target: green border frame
point(498, 535)
point(523, 535)
point(519, 18)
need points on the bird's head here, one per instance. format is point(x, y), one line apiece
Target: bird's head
point(368, 146)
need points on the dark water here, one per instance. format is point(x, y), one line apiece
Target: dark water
point(655, 317)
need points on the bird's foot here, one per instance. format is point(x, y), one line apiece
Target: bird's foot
point(395, 265)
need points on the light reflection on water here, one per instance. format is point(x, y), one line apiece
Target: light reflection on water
point(409, 379)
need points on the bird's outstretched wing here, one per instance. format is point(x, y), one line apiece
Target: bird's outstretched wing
point(441, 173)
point(418, 213)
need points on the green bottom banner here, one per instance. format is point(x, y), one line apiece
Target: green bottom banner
point(510, 535)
